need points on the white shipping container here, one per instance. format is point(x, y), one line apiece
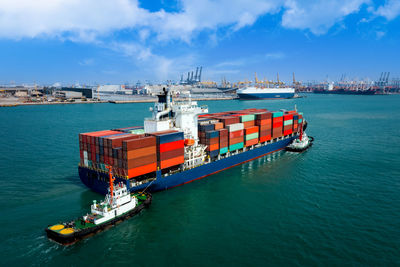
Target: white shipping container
point(235, 127)
point(85, 155)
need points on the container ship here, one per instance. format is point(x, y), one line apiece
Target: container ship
point(181, 143)
point(343, 91)
point(254, 93)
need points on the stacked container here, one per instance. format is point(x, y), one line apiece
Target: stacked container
point(212, 143)
point(251, 135)
point(236, 136)
point(170, 149)
point(277, 124)
point(88, 147)
point(228, 120)
point(295, 122)
point(202, 129)
point(139, 156)
point(287, 124)
point(223, 141)
point(264, 122)
point(247, 120)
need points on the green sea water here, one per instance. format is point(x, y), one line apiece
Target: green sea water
point(336, 204)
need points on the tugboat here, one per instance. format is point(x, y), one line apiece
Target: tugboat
point(302, 143)
point(117, 206)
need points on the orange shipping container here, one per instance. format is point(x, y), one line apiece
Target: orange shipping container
point(172, 162)
point(250, 130)
point(141, 152)
point(218, 125)
point(133, 163)
point(134, 172)
point(213, 147)
point(251, 142)
point(248, 124)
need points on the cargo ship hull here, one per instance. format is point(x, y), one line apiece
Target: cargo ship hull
point(98, 181)
point(265, 96)
point(254, 93)
point(346, 92)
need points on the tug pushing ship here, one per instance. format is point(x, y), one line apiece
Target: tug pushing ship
point(118, 205)
point(181, 143)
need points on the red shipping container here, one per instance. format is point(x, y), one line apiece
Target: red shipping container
point(250, 130)
point(236, 134)
point(223, 144)
point(265, 138)
point(277, 119)
point(288, 117)
point(171, 154)
point(141, 170)
point(251, 142)
point(172, 162)
point(171, 146)
point(287, 132)
point(277, 125)
point(264, 122)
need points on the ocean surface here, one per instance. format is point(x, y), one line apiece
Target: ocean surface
point(337, 204)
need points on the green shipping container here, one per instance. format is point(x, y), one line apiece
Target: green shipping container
point(290, 122)
point(236, 146)
point(90, 164)
point(300, 120)
point(223, 150)
point(277, 114)
point(250, 117)
point(251, 136)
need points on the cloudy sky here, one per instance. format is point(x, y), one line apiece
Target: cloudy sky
point(119, 41)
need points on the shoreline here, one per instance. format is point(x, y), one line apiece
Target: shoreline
point(147, 100)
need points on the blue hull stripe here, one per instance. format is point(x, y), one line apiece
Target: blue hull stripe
point(98, 181)
point(265, 96)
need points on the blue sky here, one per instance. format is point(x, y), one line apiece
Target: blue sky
point(102, 41)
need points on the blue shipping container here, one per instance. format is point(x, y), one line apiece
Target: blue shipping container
point(169, 137)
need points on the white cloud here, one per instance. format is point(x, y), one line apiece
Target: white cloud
point(96, 21)
point(318, 16)
point(81, 19)
point(390, 10)
point(380, 34)
point(277, 55)
point(87, 62)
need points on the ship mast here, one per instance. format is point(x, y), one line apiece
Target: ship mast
point(111, 182)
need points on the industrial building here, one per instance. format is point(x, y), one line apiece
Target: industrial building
point(68, 95)
point(86, 92)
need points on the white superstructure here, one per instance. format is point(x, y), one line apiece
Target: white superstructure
point(182, 116)
point(120, 202)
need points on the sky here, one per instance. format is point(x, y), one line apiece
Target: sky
point(119, 41)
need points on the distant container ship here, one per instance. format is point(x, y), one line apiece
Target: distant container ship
point(343, 91)
point(254, 93)
point(181, 143)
